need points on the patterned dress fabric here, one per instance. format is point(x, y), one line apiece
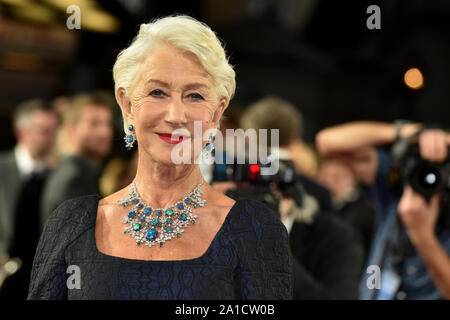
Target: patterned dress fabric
point(248, 259)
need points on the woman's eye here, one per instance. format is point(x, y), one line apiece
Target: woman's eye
point(157, 93)
point(195, 96)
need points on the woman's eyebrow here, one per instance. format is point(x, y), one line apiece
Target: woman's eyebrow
point(189, 86)
point(158, 82)
point(195, 85)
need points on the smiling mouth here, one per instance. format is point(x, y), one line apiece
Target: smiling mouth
point(167, 137)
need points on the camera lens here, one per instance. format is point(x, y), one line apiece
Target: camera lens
point(428, 177)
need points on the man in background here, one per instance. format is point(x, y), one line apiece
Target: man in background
point(23, 171)
point(350, 202)
point(88, 134)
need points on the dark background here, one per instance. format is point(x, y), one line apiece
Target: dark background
point(318, 54)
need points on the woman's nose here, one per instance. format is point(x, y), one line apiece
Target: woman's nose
point(176, 113)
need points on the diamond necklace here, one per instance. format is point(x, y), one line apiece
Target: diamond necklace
point(150, 225)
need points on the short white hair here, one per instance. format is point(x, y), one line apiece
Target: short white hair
point(184, 33)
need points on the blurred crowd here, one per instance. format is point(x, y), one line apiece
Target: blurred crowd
point(340, 207)
point(63, 151)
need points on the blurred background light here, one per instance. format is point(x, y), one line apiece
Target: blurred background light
point(413, 78)
point(63, 4)
point(34, 12)
point(93, 18)
point(99, 21)
point(50, 12)
point(15, 2)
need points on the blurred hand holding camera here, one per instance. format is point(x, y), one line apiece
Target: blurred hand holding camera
point(434, 145)
point(418, 216)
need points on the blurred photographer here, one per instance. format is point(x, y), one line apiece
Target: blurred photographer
point(350, 202)
point(327, 259)
point(411, 248)
point(23, 171)
point(275, 113)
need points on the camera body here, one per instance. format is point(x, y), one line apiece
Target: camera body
point(261, 186)
point(426, 178)
point(246, 172)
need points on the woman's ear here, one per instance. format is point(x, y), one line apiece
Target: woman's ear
point(219, 111)
point(125, 104)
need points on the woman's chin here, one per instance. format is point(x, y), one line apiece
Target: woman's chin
point(164, 160)
point(171, 157)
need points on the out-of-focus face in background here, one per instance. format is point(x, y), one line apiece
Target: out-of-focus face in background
point(39, 135)
point(93, 131)
point(338, 178)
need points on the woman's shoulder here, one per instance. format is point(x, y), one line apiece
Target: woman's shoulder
point(257, 212)
point(254, 222)
point(77, 213)
point(262, 244)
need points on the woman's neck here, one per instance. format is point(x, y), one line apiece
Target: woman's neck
point(161, 185)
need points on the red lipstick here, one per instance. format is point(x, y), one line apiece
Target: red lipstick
point(167, 137)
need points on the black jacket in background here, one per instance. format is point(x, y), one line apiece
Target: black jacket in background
point(25, 236)
point(327, 259)
point(327, 255)
point(76, 176)
point(360, 214)
point(320, 193)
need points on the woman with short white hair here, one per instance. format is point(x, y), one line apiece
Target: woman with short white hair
point(168, 235)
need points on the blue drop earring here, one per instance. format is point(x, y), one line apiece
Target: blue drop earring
point(209, 147)
point(130, 138)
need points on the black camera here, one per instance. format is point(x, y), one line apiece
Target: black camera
point(284, 180)
point(237, 172)
point(426, 178)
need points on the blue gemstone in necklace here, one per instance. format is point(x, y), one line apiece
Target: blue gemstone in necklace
point(180, 206)
point(151, 234)
point(137, 227)
point(169, 230)
point(131, 214)
point(155, 222)
point(146, 211)
point(169, 212)
point(159, 213)
point(183, 216)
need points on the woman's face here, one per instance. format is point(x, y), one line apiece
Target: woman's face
point(171, 91)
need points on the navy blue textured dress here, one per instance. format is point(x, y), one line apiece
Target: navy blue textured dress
point(247, 259)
